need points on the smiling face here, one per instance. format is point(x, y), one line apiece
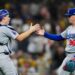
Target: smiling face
point(72, 19)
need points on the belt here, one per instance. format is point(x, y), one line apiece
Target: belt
point(6, 53)
point(2, 44)
point(70, 52)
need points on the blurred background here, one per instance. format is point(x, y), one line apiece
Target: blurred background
point(37, 55)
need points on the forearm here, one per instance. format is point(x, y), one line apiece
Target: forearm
point(24, 35)
point(53, 36)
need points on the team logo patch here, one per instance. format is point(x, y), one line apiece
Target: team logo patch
point(14, 32)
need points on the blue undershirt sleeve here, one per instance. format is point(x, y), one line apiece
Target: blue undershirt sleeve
point(55, 37)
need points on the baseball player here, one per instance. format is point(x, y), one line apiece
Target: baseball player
point(7, 33)
point(69, 35)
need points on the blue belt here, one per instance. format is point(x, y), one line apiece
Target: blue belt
point(2, 44)
point(70, 52)
point(6, 53)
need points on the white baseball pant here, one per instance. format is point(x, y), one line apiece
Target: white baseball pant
point(60, 70)
point(7, 65)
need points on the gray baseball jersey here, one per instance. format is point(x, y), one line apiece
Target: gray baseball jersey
point(7, 33)
point(69, 35)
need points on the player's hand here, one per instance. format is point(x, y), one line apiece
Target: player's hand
point(41, 31)
point(34, 28)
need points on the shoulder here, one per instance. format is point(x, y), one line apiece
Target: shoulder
point(10, 27)
point(6, 28)
point(3, 27)
point(69, 27)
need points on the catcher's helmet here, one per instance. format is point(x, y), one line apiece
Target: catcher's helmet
point(3, 13)
point(70, 12)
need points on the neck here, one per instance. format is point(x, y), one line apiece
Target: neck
point(73, 24)
point(2, 23)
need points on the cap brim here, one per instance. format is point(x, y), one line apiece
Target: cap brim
point(67, 15)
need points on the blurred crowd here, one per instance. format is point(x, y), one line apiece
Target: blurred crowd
point(37, 55)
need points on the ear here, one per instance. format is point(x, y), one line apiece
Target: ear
point(4, 18)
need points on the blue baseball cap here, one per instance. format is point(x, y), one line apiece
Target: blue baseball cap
point(70, 12)
point(3, 13)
